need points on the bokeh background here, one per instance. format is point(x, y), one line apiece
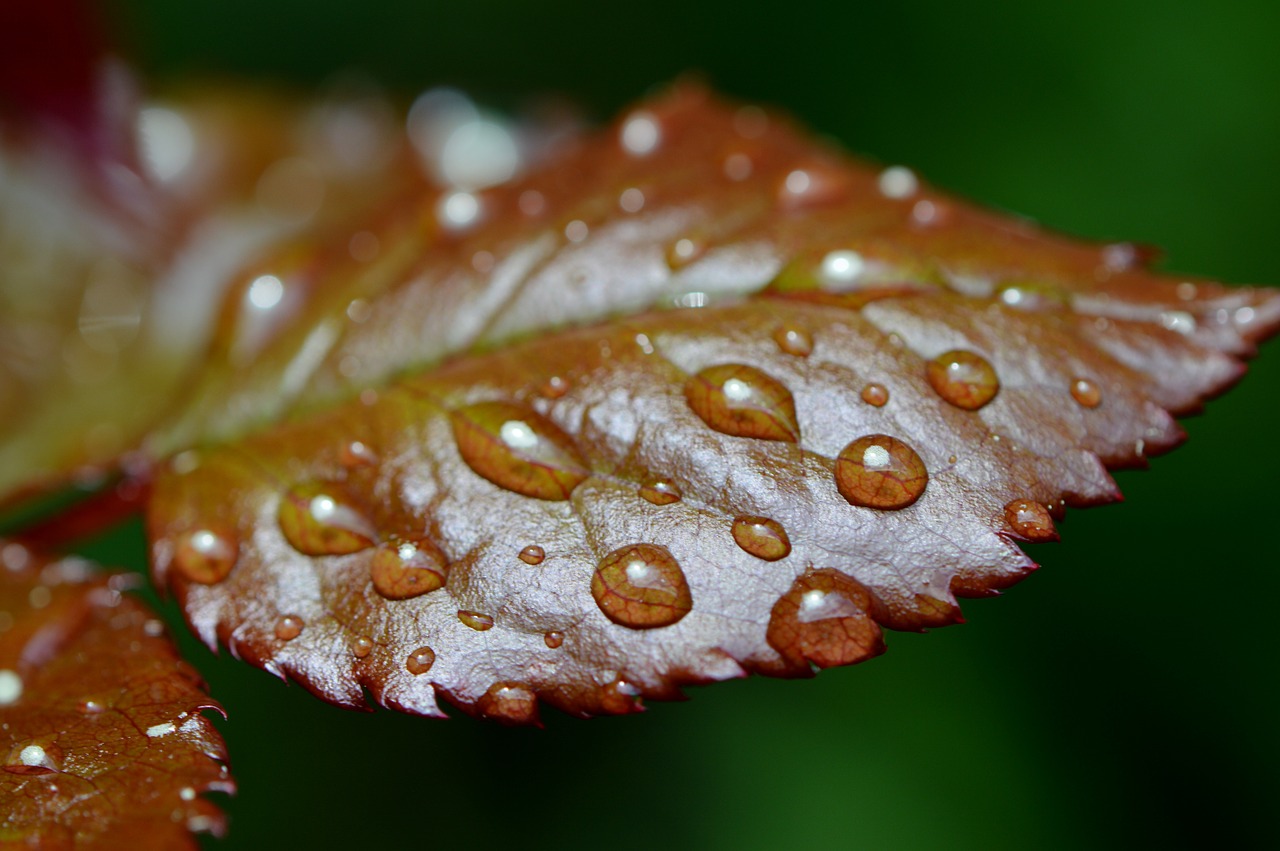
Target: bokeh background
point(1124, 696)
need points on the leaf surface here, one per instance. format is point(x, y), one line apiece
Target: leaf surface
point(836, 400)
point(102, 740)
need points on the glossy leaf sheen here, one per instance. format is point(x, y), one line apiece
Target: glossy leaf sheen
point(758, 483)
point(103, 745)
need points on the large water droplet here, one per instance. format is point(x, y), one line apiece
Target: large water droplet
point(321, 518)
point(823, 620)
point(204, 555)
point(533, 554)
point(793, 341)
point(876, 395)
point(878, 471)
point(408, 568)
point(518, 449)
point(509, 703)
point(642, 587)
point(743, 401)
point(420, 661)
point(661, 492)
point(963, 378)
point(475, 620)
point(289, 627)
point(762, 537)
point(1031, 520)
point(1086, 392)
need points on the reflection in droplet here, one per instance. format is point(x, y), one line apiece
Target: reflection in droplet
point(420, 661)
point(641, 587)
point(517, 449)
point(1031, 520)
point(405, 569)
point(743, 401)
point(205, 555)
point(965, 379)
point(879, 471)
point(321, 518)
point(661, 492)
point(762, 537)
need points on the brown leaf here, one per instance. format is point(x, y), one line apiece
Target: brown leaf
point(874, 391)
point(102, 743)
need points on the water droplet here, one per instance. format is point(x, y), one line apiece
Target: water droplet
point(793, 341)
point(963, 378)
point(743, 401)
point(553, 639)
point(641, 133)
point(842, 268)
point(518, 449)
point(357, 454)
point(475, 620)
point(878, 471)
point(1031, 520)
point(576, 231)
point(10, 687)
point(533, 554)
point(876, 395)
point(420, 661)
point(898, 182)
point(822, 620)
point(684, 251)
point(631, 200)
point(1033, 296)
point(34, 759)
point(361, 647)
point(738, 167)
point(661, 492)
point(458, 210)
point(620, 698)
point(204, 555)
point(321, 518)
point(641, 587)
point(812, 186)
point(1086, 392)
point(509, 703)
point(407, 568)
point(554, 387)
point(289, 627)
point(762, 537)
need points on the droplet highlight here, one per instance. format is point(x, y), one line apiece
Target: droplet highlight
point(518, 449)
point(1031, 520)
point(963, 378)
point(204, 555)
point(879, 471)
point(661, 492)
point(742, 401)
point(321, 518)
point(1086, 392)
point(642, 587)
point(408, 568)
point(761, 537)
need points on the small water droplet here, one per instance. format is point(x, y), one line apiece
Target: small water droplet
point(1086, 392)
point(879, 471)
point(321, 518)
point(793, 341)
point(743, 401)
point(518, 449)
point(289, 627)
point(812, 186)
point(762, 537)
point(509, 703)
point(356, 453)
point(361, 647)
point(553, 639)
point(641, 587)
point(684, 251)
point(661, 492)
point(420, 661)
point(533, 554)
point(205, 556)
point(404, 569)
point(876, 395)
point(1031, 520)
point(1032, 296)
point(621, 698)
point(475, 620)
point(554, 387)
point(963, 378)
point(822, 620)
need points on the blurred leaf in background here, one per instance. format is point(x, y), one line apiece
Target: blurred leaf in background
point(1125, 695)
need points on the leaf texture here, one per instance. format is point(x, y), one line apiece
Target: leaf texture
point(102, 737)
point(836, 402)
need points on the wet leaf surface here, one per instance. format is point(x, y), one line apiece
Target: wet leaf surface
point(836, 401)
point(102, 740)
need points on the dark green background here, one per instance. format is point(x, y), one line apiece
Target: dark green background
point(1123, 696)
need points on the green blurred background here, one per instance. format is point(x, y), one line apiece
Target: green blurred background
point(1124, 696)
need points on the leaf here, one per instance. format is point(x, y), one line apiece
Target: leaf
point(101, 736)
point(874, 391)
